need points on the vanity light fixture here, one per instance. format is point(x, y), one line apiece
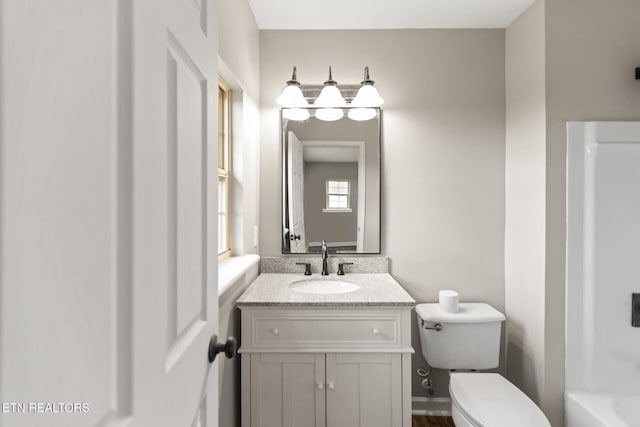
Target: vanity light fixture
point(291, 95)
point(329, 102)
point(330, 96)
point(367, 95)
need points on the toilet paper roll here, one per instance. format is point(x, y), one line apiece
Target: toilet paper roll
point(448, 301)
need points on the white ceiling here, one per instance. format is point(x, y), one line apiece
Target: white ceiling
point(385, 14)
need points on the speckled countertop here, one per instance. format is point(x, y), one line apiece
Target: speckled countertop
point(376, 289)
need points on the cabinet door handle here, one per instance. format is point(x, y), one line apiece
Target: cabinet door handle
point(320, 385)
point(375, 331)
point(330, 385)
point(275, 331)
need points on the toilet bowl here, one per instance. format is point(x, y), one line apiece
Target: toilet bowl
point(490, 400)
point(469, 340)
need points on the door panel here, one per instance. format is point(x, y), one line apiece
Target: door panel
point(287, 390)
point(296, 194)
point(364, 390)
point(362, 197)
point(186, 120)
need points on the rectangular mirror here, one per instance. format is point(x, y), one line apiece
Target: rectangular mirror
point(331, 181)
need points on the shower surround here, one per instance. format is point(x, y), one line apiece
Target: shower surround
point(603, 272)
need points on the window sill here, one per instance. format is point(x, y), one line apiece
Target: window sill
point(231, 270)
point(337, 210)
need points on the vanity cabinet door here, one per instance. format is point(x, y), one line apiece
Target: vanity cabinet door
point(364, 389)
point(287, 390)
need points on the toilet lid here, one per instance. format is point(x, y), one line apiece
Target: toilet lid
point(490, 400)
point(469, 312)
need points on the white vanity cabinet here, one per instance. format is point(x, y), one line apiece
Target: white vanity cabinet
point(326, 366)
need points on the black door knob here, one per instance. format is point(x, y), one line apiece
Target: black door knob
point(230, 348)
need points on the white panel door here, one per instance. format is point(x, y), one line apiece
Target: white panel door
point(108, 291)
point(364, 390)
point(174, 175)
point(287, 390)
point(362, 197)
point(296, 194)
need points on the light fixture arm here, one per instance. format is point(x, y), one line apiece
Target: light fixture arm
point(330, 82)
point(367, 80)
point(294, 79)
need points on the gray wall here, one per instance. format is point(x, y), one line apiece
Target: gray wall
point(239, 65)
point(443, 142)
point(525, 200)
point(229, 385)
point(239, 44)
point(329, 226)
point(592, 52)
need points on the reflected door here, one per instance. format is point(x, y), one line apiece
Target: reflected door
point(295, 158)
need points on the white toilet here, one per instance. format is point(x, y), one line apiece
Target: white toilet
point(470, 339)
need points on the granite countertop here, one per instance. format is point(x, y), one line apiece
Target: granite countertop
point(376, 289)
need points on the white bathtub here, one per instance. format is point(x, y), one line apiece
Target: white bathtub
point(600, 410)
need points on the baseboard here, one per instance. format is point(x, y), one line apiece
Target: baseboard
point(437, 406)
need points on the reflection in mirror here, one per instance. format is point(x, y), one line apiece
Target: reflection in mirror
point(331, 181)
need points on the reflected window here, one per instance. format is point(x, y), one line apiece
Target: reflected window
point(338, 196)
point(224, 169)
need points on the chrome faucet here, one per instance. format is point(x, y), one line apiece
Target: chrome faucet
point(325, 270)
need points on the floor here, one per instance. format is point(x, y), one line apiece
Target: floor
point(429, 421)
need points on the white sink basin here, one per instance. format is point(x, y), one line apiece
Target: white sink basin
point(323, 286)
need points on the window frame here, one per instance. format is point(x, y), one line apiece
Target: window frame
point(328, 208)
point(224, 160)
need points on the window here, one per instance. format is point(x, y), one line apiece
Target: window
point(224, 169)
point(338, 196)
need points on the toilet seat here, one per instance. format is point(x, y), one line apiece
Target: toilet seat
point(489, 400)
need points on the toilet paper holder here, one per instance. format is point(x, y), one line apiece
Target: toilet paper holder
point(436, 326)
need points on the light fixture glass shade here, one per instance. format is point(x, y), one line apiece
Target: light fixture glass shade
point(297, 114)
point(362, 114)
point(330, 95)
point(291, 96)
point(367, 96)
point(329, 114)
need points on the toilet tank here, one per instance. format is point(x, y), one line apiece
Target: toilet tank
point(468, 339)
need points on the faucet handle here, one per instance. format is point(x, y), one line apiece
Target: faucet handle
point(341, 267)
point(307, 267)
